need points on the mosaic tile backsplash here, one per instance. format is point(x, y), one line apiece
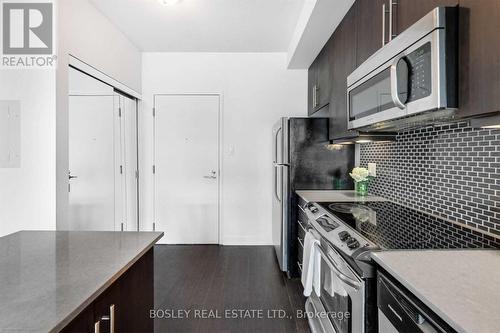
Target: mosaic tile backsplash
point(451, 171)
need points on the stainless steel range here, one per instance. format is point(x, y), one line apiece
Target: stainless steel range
point(347, 274)
point(348, 234)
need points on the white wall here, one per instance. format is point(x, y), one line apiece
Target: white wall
point(88, 35)
point(28, 193)
point(257, 90)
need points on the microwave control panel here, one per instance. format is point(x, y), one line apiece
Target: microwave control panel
point(419, 63)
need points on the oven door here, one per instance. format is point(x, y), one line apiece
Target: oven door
point(342, 293)
point(406, 84)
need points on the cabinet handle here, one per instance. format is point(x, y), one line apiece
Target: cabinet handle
point(97, 327)
point(392, 3)
point(317, 95)
point(384, 13)
point(112, 318)
point(314, 96)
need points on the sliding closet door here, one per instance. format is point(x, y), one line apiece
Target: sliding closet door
point(102, 157)
point(95, 187)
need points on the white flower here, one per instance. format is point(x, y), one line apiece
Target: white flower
point(359, 174)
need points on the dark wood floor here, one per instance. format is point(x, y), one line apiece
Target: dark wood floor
point(221, 278)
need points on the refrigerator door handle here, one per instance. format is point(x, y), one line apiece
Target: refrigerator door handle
point(275, 182)
point(276, 167)
point(277, 158)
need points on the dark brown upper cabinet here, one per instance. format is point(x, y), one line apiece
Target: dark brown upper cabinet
point(479, 57)
point(343, 63)
point(324, 76)
point(372, 27)
point(312, 81)
point(407, 12)
point(319, 81)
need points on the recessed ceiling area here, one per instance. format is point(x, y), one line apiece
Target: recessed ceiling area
point(205, 25)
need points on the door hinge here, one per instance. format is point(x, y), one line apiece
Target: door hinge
point(121, 169)
point(120, 112)
point(154, 226)
point(137, 174)
point(154, 169)
point(154, 112)
point(122, 226)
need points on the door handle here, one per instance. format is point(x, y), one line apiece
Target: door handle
point(392, 3)
point(384, 15)
point(97, 327)
point(276, 183)
point(337, 271)
point(212, 176)
point(110, 318)
point(71, 176)
point(394, 83)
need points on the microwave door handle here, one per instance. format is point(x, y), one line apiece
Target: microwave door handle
point(394, 84)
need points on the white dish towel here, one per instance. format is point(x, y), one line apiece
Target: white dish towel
point(311, 273)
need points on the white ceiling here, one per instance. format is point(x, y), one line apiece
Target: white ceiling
point(205, 25)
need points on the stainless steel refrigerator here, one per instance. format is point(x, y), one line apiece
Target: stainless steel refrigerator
point(302, 160)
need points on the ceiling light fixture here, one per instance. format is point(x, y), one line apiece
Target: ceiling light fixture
point(169, 2)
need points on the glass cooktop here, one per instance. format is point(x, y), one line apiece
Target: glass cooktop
point(392, 226)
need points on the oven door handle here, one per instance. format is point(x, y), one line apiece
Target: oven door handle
point(344, 278)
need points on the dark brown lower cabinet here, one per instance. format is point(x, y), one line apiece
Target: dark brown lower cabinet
point(124, 306)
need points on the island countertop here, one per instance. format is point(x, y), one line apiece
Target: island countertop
point(461, 286)
point(48, 277)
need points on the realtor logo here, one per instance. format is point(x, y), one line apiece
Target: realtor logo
point(27, 34)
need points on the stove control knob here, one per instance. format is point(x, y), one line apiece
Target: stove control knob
point(311, 208)
point(352, 244)
point(344, 236)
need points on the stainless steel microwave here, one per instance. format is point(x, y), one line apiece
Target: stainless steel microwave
point(410, 81)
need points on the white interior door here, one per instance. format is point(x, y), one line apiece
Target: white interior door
point(187, 168)
point(95, 182)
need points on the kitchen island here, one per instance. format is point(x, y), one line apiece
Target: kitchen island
point(76, 281)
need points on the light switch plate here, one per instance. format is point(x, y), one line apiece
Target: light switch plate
point(372, 169)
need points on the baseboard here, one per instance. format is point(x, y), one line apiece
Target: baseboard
point(247, 241)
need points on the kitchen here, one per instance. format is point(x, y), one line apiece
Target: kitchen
point(138, 193)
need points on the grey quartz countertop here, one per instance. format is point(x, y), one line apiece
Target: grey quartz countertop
point(48, 277)
point(461, 286)
point(336, 196)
